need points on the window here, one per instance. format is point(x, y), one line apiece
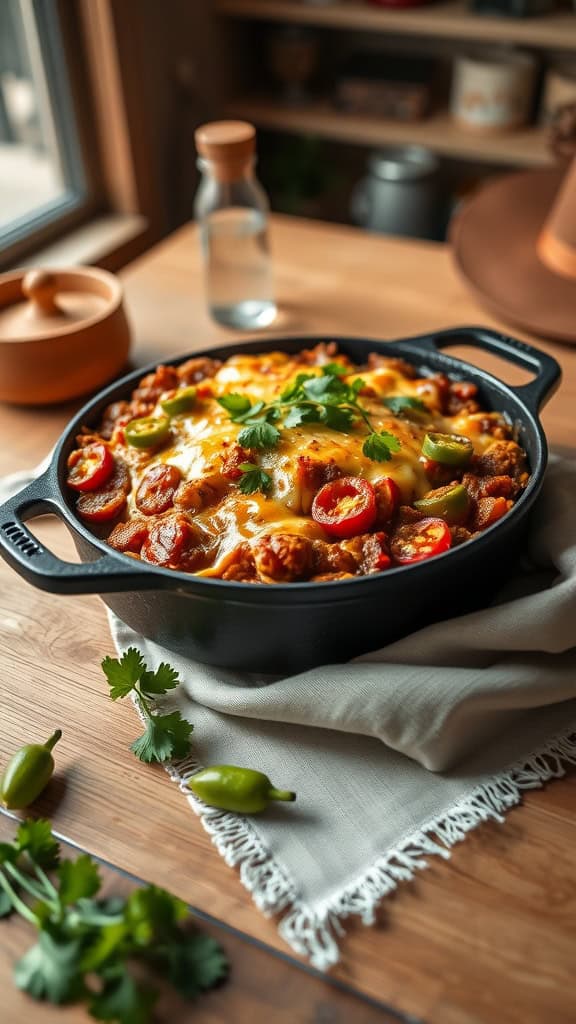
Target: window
point(43, 179)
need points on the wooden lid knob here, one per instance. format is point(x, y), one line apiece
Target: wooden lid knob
point(40, 286)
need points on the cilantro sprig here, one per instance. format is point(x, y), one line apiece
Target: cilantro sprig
point(87, 945)
point(310, 398)
point(166, 736)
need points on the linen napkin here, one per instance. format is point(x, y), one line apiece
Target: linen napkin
point(396, 755)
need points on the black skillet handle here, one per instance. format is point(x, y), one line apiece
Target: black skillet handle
point(547, 371)
point(45, 570)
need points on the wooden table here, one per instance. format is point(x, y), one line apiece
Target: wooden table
point(488, 936)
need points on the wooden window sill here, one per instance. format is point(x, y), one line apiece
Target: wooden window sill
point(108, 241)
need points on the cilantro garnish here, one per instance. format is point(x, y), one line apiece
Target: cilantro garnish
point(87, 946)
point(401, 405)
point(166, 736)
point(253, 479)
point(310, 398)
point(379, 447)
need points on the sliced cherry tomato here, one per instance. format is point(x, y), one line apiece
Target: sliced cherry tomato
point(345, 507)
point(157, 488)
point(108, 501)
point(417, 541)
point(90, 467)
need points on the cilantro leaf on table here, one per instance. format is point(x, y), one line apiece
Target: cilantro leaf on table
point(85, 945)
point(79, 879)
point(123, 1000)
point(379, 447)
point(166, 737)
point(36, 839)
point(259, 435)
point(50, 970)
point(253, 479)
point(123, 674)
point(195, 963)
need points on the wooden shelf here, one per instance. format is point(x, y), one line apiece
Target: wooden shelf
point(524, 148)
point(445, 20)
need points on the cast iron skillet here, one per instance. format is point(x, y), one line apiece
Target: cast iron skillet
point(289, 627)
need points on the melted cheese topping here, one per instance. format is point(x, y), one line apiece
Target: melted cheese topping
point(200, 439)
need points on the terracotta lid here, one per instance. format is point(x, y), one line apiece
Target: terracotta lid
point(50, 303)
point(229, 145)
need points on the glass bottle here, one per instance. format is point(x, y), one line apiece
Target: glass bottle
point(231, 210)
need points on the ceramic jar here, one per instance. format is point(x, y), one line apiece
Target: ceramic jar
point(493, 92)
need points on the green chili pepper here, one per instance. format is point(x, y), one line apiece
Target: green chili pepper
point(448, 449)
point(147, 432)
point(451, 503)
point(236, 789)
point(28, 772)
point(180, 401)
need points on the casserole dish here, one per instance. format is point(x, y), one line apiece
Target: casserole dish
point(289, 627)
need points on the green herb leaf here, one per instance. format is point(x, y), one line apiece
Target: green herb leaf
point(335, 370)
point(402, 404)
point(303, 414)
point(166, 737)
point(163, 679)
point(253, 479)
point(379, 447)
point(123, 674)
point(6, 907)
point(79, 879)
point(123, 1001)
point(236, 405)
point(35, 837)
point(259, 435)
point(195, 963)
point(357, 385)
point(294, 389)
point(321, 388)
point(152, 914)
point(50, 970)
point(338, 419)
point(108, 939)
point(8, 853)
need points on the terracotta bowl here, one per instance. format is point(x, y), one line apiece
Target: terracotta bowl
point(63, 333)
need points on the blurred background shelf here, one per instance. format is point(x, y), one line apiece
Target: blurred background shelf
point(523, 148)
point(555, 31)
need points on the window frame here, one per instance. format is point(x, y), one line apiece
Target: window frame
point(62, 53)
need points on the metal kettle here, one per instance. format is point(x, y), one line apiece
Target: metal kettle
point(400, 195)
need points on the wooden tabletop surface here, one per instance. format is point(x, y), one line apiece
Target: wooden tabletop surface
point(488, 936)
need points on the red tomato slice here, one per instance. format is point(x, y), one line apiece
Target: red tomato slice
point(90, 467)
point(388, 498)
point(105, 503)
point(345, 507)
point(417, 541)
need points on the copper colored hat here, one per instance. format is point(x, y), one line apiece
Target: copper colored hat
point(515, 244)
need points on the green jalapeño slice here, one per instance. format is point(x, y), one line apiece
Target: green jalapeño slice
point(451, 503)
point(180, 401)
point(448, 449)
point(147, 432)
